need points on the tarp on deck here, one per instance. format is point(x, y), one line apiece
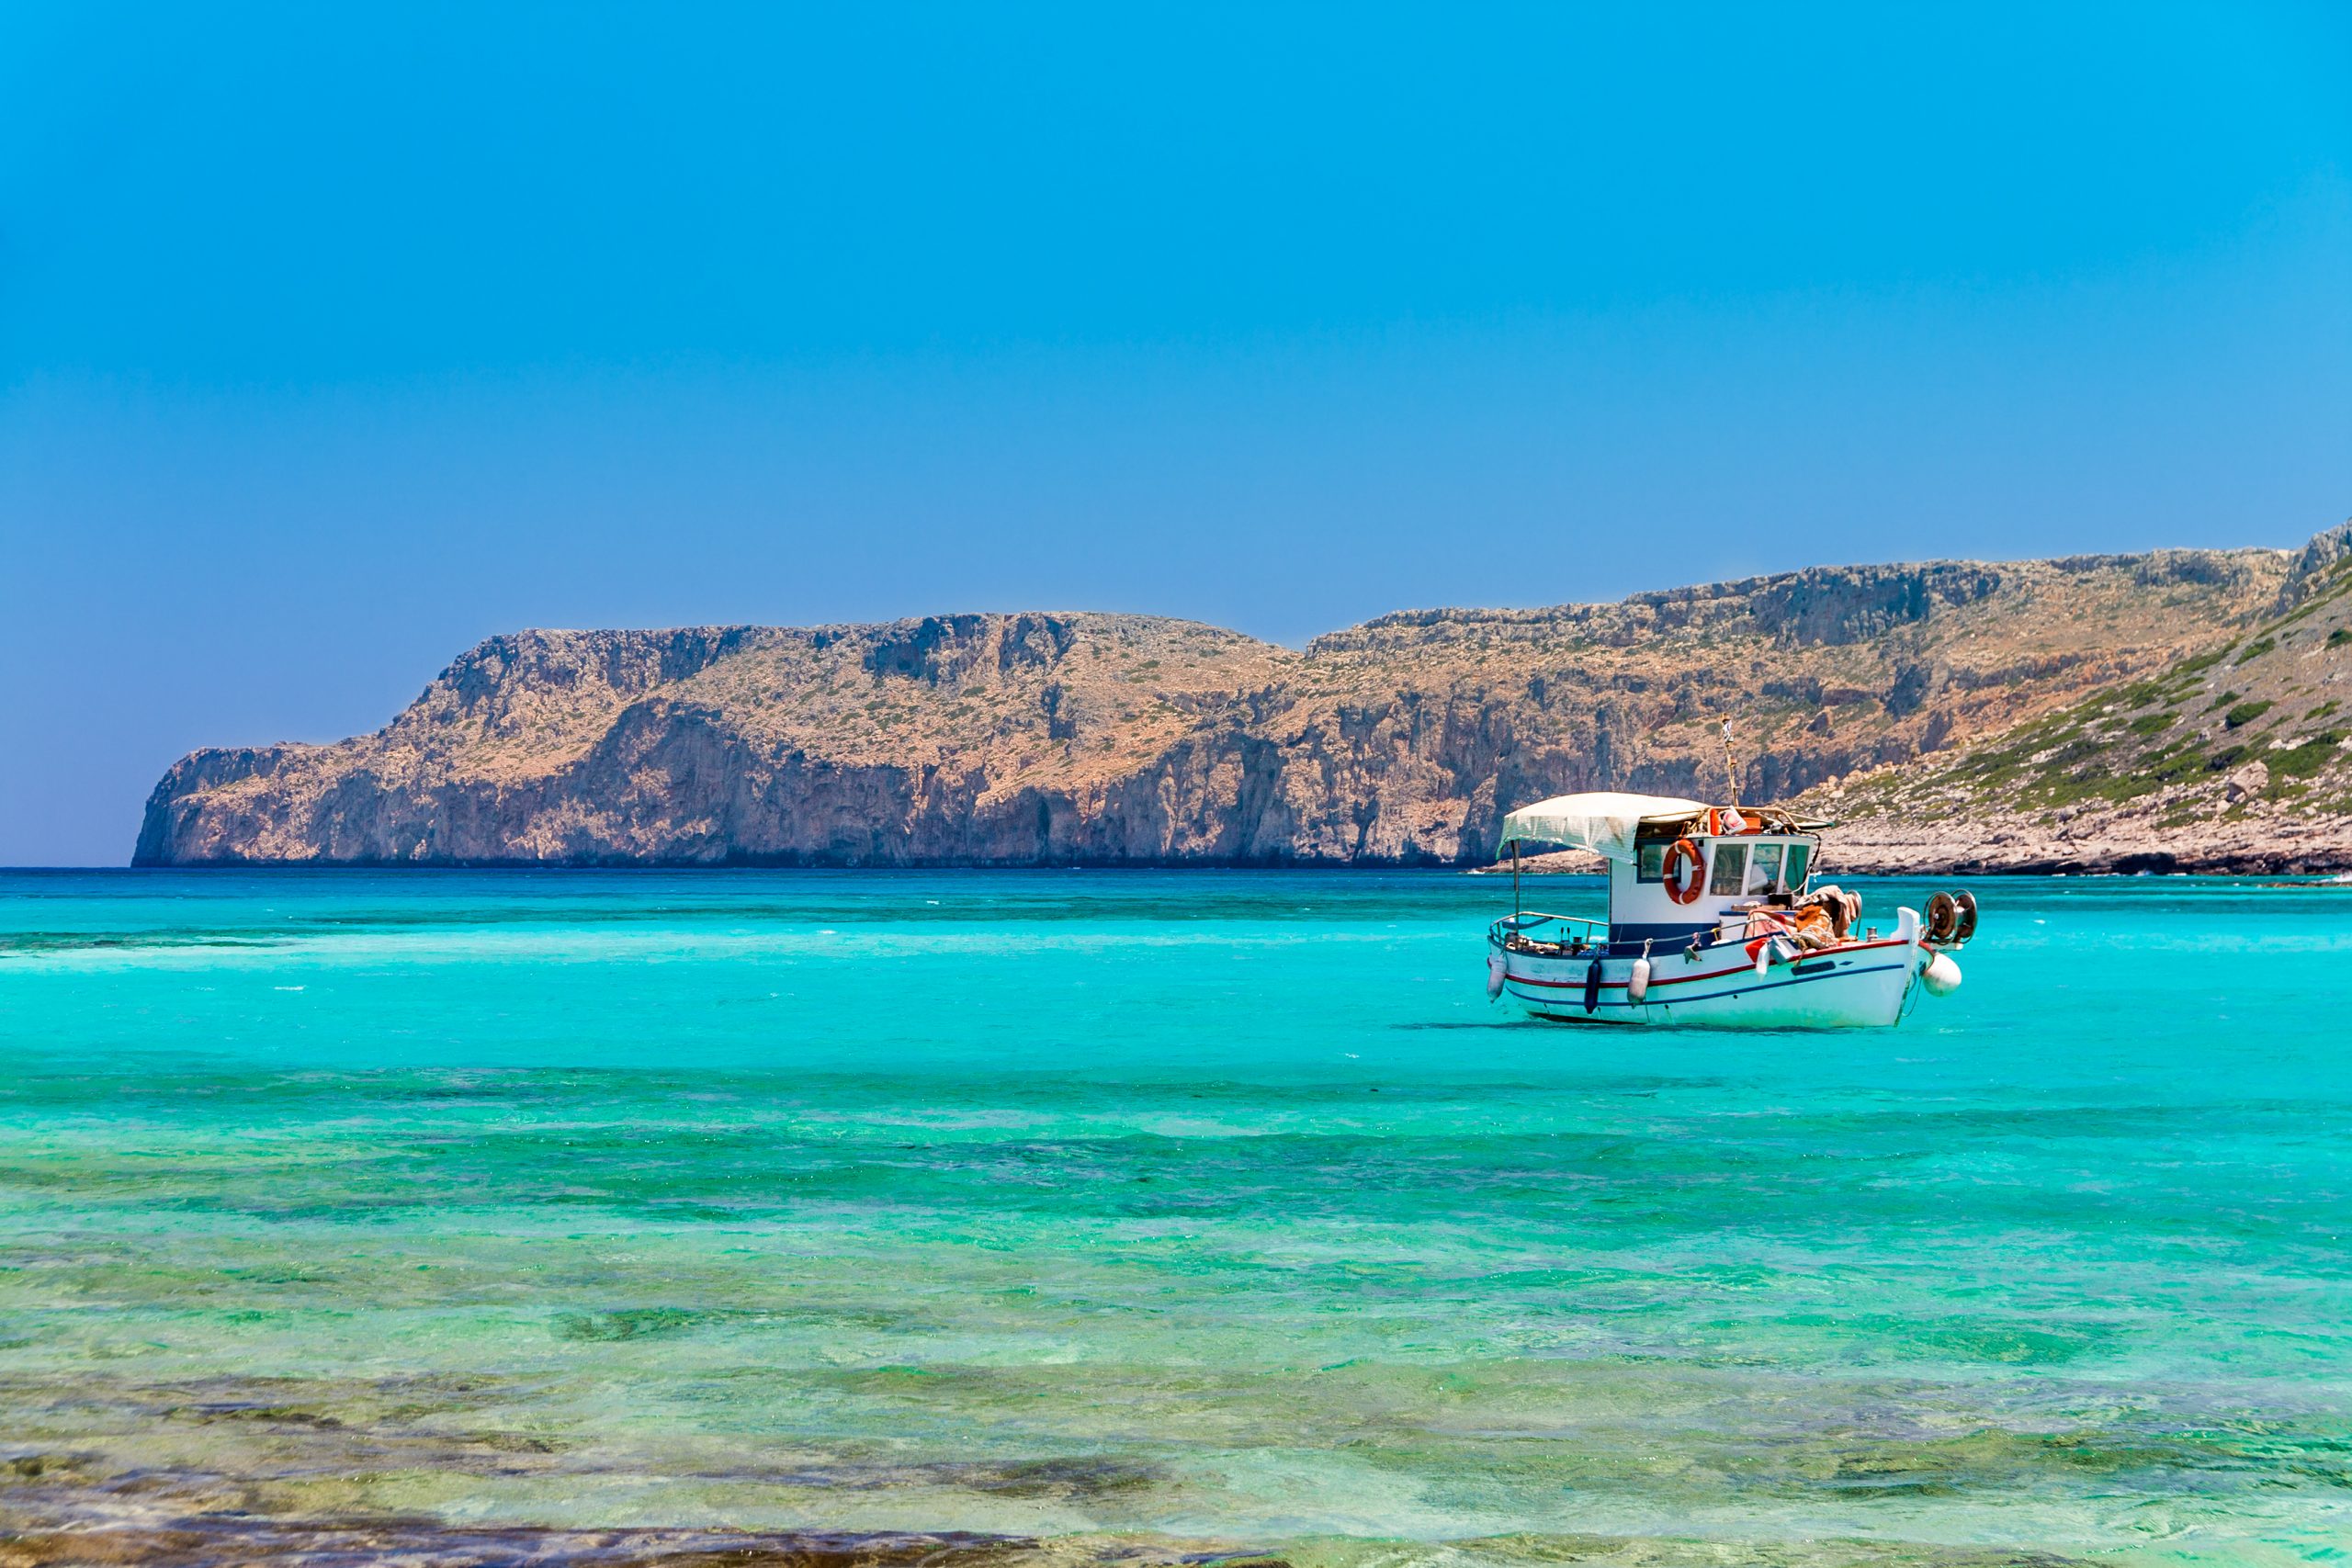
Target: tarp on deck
point(1602, 821)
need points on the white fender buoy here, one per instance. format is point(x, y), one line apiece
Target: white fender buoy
point(1637, 985)
point(1763, 958)
point(1941, 977)
point(1495, 972)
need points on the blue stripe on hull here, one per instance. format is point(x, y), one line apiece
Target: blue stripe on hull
point(1631, 936)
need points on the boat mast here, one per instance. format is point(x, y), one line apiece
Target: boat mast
point(1731, 766)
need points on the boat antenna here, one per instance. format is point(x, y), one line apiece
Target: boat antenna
point(1731, 766)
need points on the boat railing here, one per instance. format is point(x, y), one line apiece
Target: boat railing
point(1535, 932)
point(1556, 935)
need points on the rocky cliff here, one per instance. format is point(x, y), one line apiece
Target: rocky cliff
point(1108, 739)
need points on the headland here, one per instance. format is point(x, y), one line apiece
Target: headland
point(2168, 710)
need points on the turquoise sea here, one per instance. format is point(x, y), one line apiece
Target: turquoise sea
point(440, 1216)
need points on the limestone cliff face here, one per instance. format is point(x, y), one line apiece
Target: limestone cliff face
point(1107, 739)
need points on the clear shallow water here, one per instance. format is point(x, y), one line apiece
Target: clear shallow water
point(1162, 1212)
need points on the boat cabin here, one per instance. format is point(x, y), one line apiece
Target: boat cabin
point(1678, 869)
point(1734, 871)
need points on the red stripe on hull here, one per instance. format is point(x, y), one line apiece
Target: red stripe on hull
point(1710, 975)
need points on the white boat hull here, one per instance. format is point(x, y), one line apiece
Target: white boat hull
point(1859, 985)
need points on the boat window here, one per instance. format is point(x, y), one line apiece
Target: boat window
point(1800, 857)
point(1764, 867)
point(1649, 862)
point(1731, 865)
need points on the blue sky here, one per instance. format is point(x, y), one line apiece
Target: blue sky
point(335, 338)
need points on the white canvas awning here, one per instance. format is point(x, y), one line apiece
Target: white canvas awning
point(1602, 821)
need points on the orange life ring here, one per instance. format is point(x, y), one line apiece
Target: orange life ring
point(1676, 888)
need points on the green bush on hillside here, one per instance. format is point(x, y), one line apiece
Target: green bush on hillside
point(2302, 761)
point(2202, 661)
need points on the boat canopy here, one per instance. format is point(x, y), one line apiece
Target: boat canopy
point(1601, 820)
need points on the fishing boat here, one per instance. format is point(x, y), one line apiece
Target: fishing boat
point(1713, 921)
